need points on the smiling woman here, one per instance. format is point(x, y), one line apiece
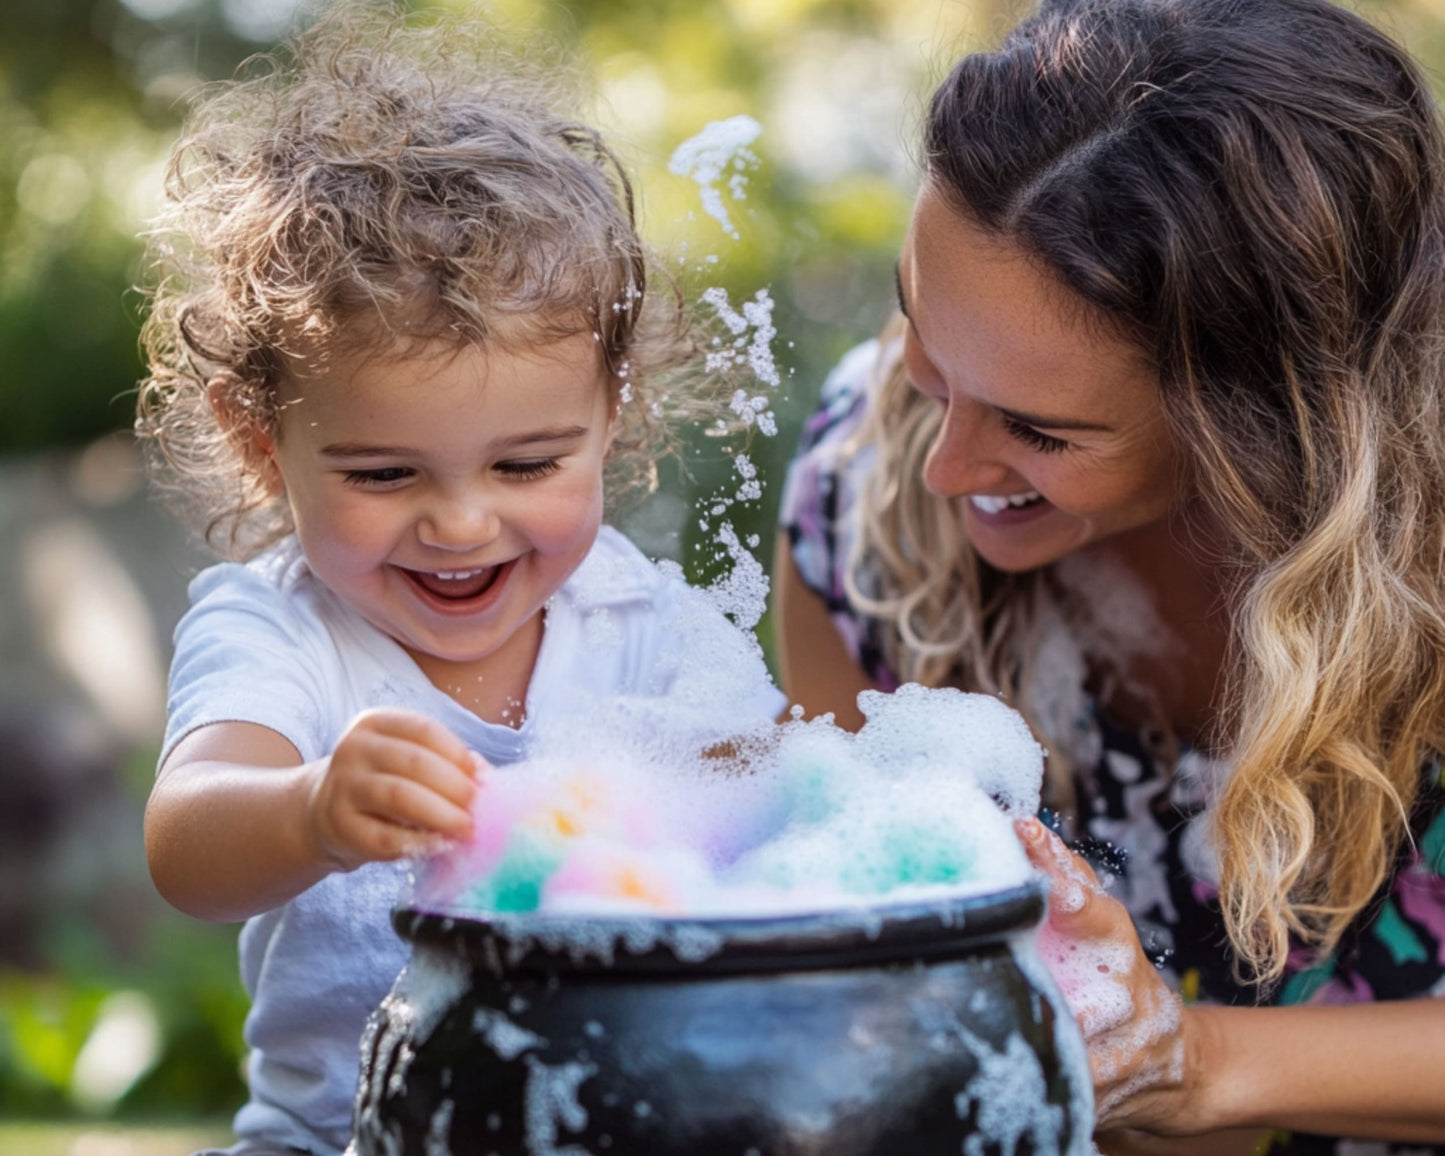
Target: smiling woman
point(1052, 425)
point(1156, 451)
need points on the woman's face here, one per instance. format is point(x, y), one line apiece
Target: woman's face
point(1053, 434)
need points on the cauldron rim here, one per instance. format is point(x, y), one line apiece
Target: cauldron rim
point(916, 931)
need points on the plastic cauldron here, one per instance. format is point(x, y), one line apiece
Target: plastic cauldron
point(896, 1031)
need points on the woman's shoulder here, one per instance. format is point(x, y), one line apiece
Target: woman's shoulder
point(843, 397)
point(828, 468)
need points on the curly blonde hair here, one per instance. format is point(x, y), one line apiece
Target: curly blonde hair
point(392, 185)
point(1252, 191)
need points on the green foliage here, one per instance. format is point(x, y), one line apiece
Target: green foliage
point(44, 1021)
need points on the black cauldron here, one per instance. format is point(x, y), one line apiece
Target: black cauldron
point(902, 1031)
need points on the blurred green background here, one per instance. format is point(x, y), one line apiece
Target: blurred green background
point(120, 1020)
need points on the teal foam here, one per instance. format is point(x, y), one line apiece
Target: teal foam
point(515, 885)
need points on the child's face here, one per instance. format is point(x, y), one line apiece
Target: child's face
point(447, 496)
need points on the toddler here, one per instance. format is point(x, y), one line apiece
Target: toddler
point(400, 335)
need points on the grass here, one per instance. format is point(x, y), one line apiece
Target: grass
point(51, 1139)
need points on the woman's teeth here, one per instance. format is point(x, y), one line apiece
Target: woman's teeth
point(997, 503)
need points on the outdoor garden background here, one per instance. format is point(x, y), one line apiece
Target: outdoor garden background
point(120, 1020)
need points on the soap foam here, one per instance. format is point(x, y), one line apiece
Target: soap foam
point(721, 150)
point(617, 815)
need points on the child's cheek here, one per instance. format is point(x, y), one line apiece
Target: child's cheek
point(566, 515)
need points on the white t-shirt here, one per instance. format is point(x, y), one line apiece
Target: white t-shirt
point(266, 643)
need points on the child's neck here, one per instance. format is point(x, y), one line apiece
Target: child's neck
point(493, 688)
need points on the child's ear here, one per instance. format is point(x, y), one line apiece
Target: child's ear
point(614, 412)
point(246, 430)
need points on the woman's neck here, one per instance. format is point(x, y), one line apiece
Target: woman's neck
point(1155, 625)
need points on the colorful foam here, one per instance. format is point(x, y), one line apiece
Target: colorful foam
point(802, 816)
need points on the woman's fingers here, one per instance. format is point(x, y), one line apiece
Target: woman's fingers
point(1128, 1017)
point(1076, 898)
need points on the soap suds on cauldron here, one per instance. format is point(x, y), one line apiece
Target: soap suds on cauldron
point(614, 819)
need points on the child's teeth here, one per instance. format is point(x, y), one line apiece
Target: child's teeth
point(454, 575)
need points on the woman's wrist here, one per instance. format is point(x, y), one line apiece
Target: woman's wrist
point(1188, 1096)
point(1208, 1102)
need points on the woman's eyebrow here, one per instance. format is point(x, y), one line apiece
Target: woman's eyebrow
point(1031, 419)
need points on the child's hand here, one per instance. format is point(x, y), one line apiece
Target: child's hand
point(397, 783)
point(1131, 1021)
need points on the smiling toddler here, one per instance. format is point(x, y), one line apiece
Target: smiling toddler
point(402, 352)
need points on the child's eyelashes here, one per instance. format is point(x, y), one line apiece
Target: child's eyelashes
point(1032, 437)
point(385, 476)
point(528, 470)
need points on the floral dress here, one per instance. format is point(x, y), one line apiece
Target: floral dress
point(1139, 817)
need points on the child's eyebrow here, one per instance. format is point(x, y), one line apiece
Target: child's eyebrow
point(531, 437)
point(555, 434)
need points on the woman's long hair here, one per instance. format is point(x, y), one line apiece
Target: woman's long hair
point(1251, 190)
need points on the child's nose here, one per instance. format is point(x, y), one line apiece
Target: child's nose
point(459, 522)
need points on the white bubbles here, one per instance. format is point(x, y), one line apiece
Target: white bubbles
point(753, 331)
point(719, 153)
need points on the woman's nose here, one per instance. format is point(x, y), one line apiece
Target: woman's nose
point(459, 521)
point(962, 459)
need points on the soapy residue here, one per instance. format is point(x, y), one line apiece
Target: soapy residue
point(612, 819)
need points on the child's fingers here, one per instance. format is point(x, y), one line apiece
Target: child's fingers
point(405, 802)
point(399, 761)
point(423, 731)
point(377, 839)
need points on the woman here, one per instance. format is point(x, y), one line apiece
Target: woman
point(1156, 450)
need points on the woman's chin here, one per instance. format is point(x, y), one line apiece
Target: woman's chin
point(1019, 548)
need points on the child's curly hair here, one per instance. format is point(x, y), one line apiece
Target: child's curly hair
point(381, 183)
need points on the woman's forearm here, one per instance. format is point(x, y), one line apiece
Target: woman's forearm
point(1370, 1070)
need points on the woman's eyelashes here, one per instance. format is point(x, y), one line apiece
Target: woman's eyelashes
point(1036, 439)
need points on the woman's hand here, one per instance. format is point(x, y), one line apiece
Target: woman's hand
point(1133, 1026)
point(397, 784)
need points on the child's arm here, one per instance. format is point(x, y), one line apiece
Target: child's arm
point(237, 824)
point(1368, 1070)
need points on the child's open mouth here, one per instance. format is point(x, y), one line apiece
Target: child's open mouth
point(457, 586)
